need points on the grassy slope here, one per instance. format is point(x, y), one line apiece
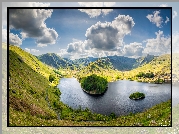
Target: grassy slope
point(30, 88)
point(160, 66)
point(101, 68)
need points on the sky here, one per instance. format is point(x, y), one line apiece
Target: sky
point(78, 33)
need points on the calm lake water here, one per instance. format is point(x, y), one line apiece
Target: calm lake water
point(116, 99)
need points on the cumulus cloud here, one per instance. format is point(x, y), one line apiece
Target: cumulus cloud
point(155, 18)
point(174, 14)
point(19, 4)
point(4, 35)
point(109, 35)
point(75, 47)
point(102, 39)
point(175, 42)
point(91, 12)
point(14, 39)
point(133, 49)
point(167, 19)
point(96, 12)
point(32, 23)
point(159, 45)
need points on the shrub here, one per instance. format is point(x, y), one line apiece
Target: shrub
point(51, 77)
point(137, 95)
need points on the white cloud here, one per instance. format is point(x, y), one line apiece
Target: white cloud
point(167, 19)
point(14, 39)
point(109, 35)
point(175, 14)
point(106, 11)
point(4, 35)
point(163, 5)
point(76, 47)
point(102, 39)
point(159, 45)
point(27, 49)
point(155, 18)
point(31, 50)
point(133, 49)
point(4, 18)
point(34, 50)
point(96, 12)
point(33, 25)
point(19, 4)
point(175, 42)
point(91, 12)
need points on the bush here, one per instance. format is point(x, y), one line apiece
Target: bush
point(147, 75)
point(137, 95)
point(51, 77)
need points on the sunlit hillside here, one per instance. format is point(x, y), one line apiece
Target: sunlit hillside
point(159, 66)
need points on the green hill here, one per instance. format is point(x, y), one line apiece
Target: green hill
point(52, 60)
point(101, 67)
point(30, 92)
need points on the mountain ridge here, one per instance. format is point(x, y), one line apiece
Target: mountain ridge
point(120, 63)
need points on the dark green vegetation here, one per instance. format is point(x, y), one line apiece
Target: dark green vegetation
point(137, 95)
point(34, 98)
point(51, 78)
point(94, 84)
point(146, 75)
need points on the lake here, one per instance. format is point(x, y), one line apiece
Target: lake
point(116, 99)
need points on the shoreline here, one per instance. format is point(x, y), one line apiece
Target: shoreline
point(95, 94)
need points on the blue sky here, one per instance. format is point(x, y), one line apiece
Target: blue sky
point(70, 32)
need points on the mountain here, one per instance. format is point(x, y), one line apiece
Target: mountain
point(122, 63)
point(143, 60)
point(53, 60)
point(101, 67)
point(119, 62)
point(83, 61)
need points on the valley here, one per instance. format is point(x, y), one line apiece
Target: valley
point(34, 95)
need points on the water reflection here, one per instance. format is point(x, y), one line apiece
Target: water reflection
point(116, 99)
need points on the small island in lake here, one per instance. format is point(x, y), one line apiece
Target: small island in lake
point(94, 85)
point(137, 95)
